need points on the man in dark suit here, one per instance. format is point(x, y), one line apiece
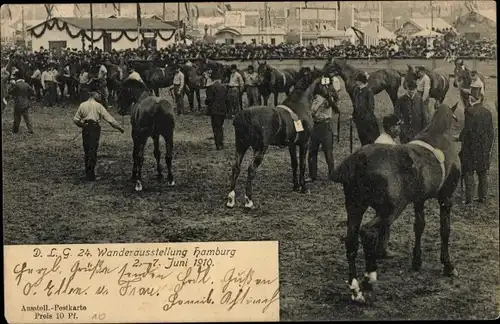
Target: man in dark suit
point(364, 111)
point(410, 110)
point(21, 92)
point(217, 110)
point(477, 141)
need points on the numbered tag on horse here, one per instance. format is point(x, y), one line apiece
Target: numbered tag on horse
point(325, 81)
point(298, 125)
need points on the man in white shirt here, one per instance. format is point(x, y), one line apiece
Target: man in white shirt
point(392, 128)
point(103, 85)
point(36, 80)
point(424, 86)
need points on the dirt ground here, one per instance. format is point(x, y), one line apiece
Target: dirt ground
point(45, 202)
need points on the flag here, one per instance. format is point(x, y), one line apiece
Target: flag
point(49, 8)
point(338, 5)
point(116, 6)
point(219, 10)
point(139, 21)
point(305, 3)
point(7, 11)
point(228, 7)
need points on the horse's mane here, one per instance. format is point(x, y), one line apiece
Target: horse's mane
point(297, 92)
point(440, 124)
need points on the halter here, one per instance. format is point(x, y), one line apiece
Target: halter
point(439, 156)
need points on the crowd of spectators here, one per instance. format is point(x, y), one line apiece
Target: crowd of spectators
point(402, 47)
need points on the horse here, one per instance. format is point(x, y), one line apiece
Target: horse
point(288, 124)
point(440, 82)
point(195, 80)
point(151, 116)
point(426, 168)
point(388, 80)
point(218, 71)
point(272, 80)
point(463, 80)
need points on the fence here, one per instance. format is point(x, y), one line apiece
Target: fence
point(487, 67)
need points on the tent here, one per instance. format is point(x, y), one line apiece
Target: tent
point(374, 30)
point(426, 33)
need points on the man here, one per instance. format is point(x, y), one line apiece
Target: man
point(251, 82)
point(477, 141)
point(178, 86)
point(363, 114)
point(36, 78)
point(5, 76)
point(134, 75)
point(49, 86)
point(423, 87)
point(87, 117)
point(102, 76)
point(236, 86)
point(83, 80)
point(21, 93)
point(409, 108)
point(217, 110)
point(391, 131)
point(322, 135)
point(477, 80)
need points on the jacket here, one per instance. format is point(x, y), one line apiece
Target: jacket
point(412, 114)
point(21, 93)
point(216, 99)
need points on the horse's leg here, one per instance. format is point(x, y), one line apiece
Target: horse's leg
point(138, 155)
point(303, 148)
point(241, 148)
point(292, 148)
point(259, 153)
point(157, 91)
point(190, 95)
point(276, 95)
point(169, 144)
point(198, 98)
point(418, 228)
point(355, 211)
point(157, 153)
point(445, 204)
point(394, 97)
point(370, 234)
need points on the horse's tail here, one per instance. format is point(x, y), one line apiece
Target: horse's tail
point(352, 168)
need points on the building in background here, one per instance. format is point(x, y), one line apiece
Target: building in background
point(475, 25)
point(109, 33)
point(249, 35)
point(416, 25)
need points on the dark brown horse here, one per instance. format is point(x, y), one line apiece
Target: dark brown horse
point(272, 80)
point(195, 81)
point(218, 71)
point(388, 178)
point(150, 116)
point(288, 124)
point(388, 80)
point(463, 80)
point(440, 82)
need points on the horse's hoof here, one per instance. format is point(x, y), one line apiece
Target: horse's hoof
point(159, 176)
point(171, 183)
point(230, 204)
point(305, 191)
point(138, 186)
point(249, 203)
point(453, 273)
point(358, 298)
point(296, 188)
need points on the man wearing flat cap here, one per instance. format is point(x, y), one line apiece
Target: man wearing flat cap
point(87, 117)
point(364, 111)
point(477, 141)
point(251, 83)
point(410, 110)
point(423, 86)
point(392, 129)
point(178, 86)
point(475, 79)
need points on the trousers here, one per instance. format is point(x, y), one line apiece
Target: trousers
point(21, 113)
point(218, 129)
point(179, 99)
point(470, 186)
point(91, 133)
point(252, 96)
point(322, 135)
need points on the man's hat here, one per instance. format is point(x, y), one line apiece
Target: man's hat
point(250, 67)
point(420, 68)
point(361, 77)
point(390, 120)
point(476, 84)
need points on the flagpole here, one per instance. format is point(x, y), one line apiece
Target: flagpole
point(432, 15)
point(91, 28)
point(178, 22)
point(300, 22)
point(138, 27)
point(24, 27)
point(164, 11)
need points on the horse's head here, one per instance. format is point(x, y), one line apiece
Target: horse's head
point(334, 66)
point(411, 75)
point(328, 90)
point(263, 71)
point(462, 77)
point(129, 93)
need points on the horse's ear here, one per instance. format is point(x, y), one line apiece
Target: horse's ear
point(265, 63)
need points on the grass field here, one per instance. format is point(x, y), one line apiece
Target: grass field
point(45, 202)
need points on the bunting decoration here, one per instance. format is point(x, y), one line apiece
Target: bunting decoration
point(228, 7)
point(7, 11)
point(219, 10)
point(116, 6)
point(305, 4)
point(338, 5)
point(139, 20)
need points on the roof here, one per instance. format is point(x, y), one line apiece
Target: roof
point(374, 30)
point(427, 33)
point(490, 14)
point(120, 23)
point(239, 31)
point(428, 23)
